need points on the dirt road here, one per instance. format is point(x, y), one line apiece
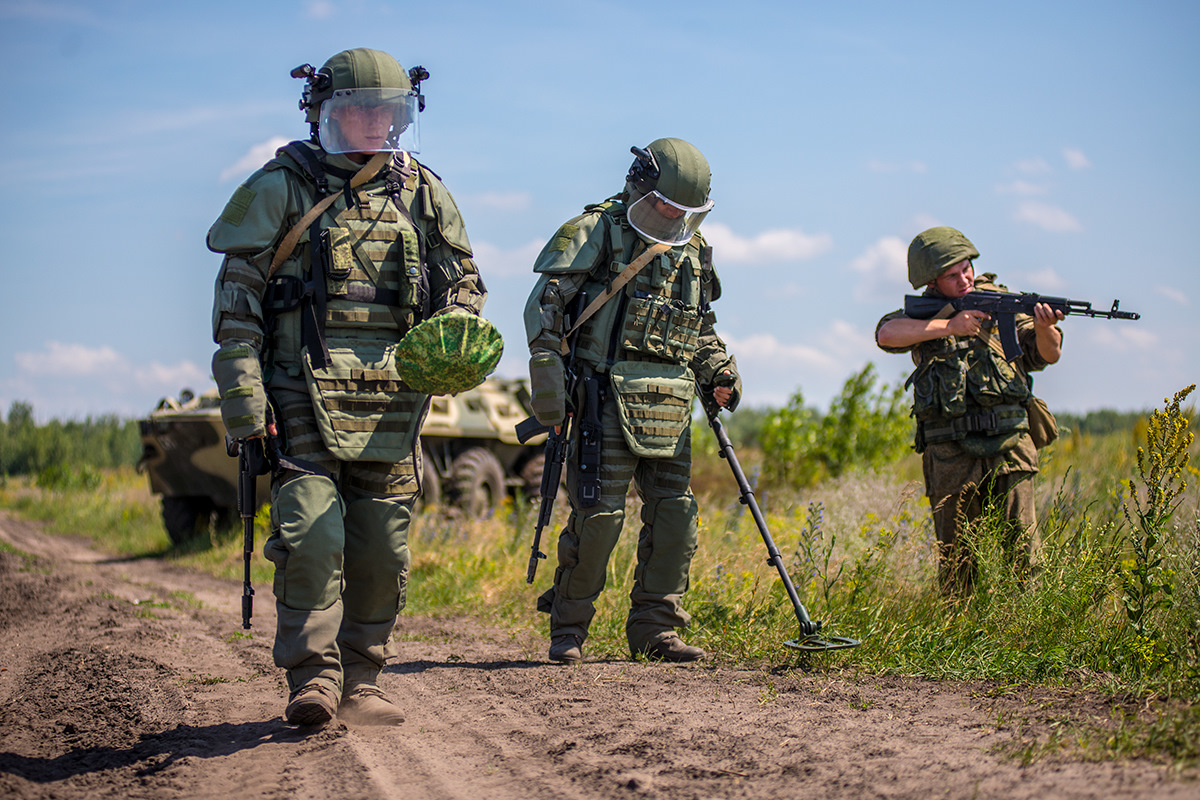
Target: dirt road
point(129, 679)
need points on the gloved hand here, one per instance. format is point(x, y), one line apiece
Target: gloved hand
point(548, 388)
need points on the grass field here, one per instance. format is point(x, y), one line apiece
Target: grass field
point(1114, 605)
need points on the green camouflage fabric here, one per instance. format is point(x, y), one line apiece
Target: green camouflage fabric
point(448, 354)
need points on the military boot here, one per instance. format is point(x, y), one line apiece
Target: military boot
point(673, 649)
point(314, 703)
point(566, 649)
point(366, 704)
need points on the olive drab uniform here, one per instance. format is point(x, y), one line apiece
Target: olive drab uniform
point(315, 338)
point(972, 429)
point(638, 360)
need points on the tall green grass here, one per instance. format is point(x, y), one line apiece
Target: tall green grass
point(1113, 605)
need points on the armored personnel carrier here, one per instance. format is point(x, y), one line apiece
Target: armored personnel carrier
point(472, 459)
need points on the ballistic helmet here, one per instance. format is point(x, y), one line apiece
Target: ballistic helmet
point(668, 184)
point(362, 90)
point(934, 251)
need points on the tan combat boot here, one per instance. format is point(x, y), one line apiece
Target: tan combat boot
point(366, 704)
point(673, 649)
point(566, 648)
point(314, 703)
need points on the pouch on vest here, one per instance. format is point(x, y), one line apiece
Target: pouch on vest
point(1043, 427)
point(661, 327)
point(364, 411)
point(940, 389)
point(654, 402)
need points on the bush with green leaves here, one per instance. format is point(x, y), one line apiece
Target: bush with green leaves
point(867, 425)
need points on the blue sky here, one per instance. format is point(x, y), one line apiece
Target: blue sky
point(1062, 138)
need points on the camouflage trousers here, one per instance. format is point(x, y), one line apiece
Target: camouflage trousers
point(961, 488)
point(666, 542)
point(340, 550)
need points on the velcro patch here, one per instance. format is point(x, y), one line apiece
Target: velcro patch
point(563, 238)
point(239, 391)
point(237, 351)
point(238, 205)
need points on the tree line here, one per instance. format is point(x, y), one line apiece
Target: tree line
point(27, 448)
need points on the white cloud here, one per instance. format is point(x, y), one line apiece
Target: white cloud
point(1075, 158)
point(68, 380)
point(1033, 166)
point(1046, 280)
point(875, 165)
point(1124, 338)
point(319, 9)
point(61, 360)
point(884, 267)
point(1173, 293)
point(1047, 217)
point(502, 201)
point(254, 158)
point(1020, 187)
point(779, 244)
point(494, 261)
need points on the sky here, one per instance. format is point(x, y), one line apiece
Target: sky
point(1063, 138)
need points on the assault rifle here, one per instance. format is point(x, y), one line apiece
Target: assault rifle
point(556, 457)
point(1003, 307)
point(252, 462)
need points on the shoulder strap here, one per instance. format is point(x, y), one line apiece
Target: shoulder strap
point(288, 244)
point(615, 287)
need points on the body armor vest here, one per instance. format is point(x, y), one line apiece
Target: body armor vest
point(658, 316)
point(963, 388)
point(335, 310)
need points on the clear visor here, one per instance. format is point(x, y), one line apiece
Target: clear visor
point(369, 121)
point(660, 219)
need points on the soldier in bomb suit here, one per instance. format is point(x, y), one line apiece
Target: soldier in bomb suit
point(972, 406)
point(333, 251)
point(628, 374)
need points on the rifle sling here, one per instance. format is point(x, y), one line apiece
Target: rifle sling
point(288, 244)
point(618, 283)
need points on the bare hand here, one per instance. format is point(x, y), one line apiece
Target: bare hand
point(967, 323)
point(1045, 316)
point(723, 394)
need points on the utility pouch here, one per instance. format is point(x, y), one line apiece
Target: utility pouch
point(940, 389)
point(654, 402)
point(364, 411)
point(1043, 427)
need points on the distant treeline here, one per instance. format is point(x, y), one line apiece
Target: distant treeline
point(1095, 423)
point(27, 448)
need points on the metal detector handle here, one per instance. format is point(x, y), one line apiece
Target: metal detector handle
point(808, 627)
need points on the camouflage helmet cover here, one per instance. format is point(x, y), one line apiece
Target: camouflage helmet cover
point(449, 353)
point(934, 251)
point(360, 68)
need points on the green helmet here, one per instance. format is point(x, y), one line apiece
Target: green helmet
point(669, 173)
point(449, 353)
point(934, 251)
point(360, 68)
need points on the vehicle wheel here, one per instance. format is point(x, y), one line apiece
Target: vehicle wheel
point(531, 476)
point(184, 517)
point(476, 484)
point(431, 484)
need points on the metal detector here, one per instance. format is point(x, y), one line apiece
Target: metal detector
point(810, 640)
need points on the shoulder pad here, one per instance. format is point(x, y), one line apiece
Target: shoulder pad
point(254, 216)
point(611, 206)
point(576, 246)
point(449, 219)
point(988, 281)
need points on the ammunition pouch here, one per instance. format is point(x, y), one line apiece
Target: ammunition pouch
point(658, 326)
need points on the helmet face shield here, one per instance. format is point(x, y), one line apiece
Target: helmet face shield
point(660, 219)
point(370, 120)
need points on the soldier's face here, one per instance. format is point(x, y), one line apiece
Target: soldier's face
point(365, 128)
point(956, 281)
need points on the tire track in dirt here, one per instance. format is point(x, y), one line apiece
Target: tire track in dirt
point(129, 679)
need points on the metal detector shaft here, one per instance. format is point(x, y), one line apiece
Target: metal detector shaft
point(808, 627)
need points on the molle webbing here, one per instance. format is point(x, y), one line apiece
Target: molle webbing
point(996, 420)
